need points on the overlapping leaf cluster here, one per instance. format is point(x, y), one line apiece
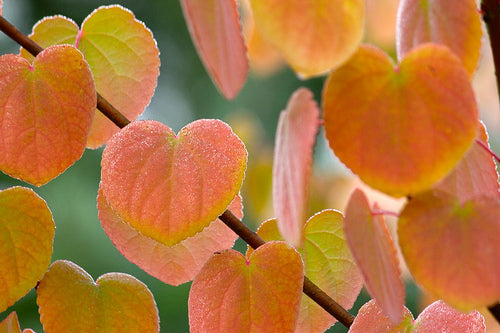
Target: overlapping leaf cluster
point(409, 129)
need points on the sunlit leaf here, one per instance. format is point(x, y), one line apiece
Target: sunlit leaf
point(172, 265)
point(440, 317)
point(375, 255)
point(372, 319)
point(456, 24)
point(169, 187)
point(263, 57)
point(400, 129)
point(26, 236)
point(452, 247)
point(313, 36)
point(111, 39)
point(70, 301)
point(474, 175)
point(258, 294)
point(295, 137)
point(216, 32)
point(46, 110)
point(10, 324)
point(328, 263)
point(380, 26)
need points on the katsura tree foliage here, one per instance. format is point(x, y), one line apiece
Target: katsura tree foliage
point(171, 204)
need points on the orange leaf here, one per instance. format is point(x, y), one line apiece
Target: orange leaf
point(475, 175)
point(375, 254)
point(400, 129)
point(452, 248)
point(10, 324)
point(313, 36)
point(295, 137)
point(372, 319)
point(263, 57)
point(70, 301)
point(216, 32)
point(328, 263)
point(440, 317)
point(169, 187)
point(456, 24)
point(259, 294)
point(172, 265)
point(26, 237)
point(46, 110)
point(111, 39)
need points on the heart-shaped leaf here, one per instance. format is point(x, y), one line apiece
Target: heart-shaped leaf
point(70, 301)
point(440, 317)
point(328, 263)
point(451, 248)
point(169, 187)
point(46, 110)
point(173, 265)
point(456, 24)
point(258, 294)
point(437, 317)
point(400, 129)
point(375, 254)
point(475, 175)
point(26, 236)
point(295, 137)
point(372, 319)
point(313, 36)
point(216, 32)
point(111, 39)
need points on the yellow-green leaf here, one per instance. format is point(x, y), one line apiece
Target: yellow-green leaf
point(26, 236)
point(70, 301)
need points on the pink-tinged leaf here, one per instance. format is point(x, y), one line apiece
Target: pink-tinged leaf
point(293, 150)
point(46, 110)
point(173, 265)
point(26, 237)
point(216, 32)
point(375, 254)
point(111, 39)
point(475, 175)
point(372, 319)
point(70, 301)
point(169, 187)
point(440, 317)
point(10, 324)
point(407, 126)
point(258, 294)
point(452, 247)
point(313, 36)
point(328, 263)
point(456, 24)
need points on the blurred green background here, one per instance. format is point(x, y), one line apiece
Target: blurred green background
point(184, 93)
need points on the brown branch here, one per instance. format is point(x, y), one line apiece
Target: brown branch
point(309, 288)
point(495, 311)
point(250, 237)
point(490, 9)
point(102, 104)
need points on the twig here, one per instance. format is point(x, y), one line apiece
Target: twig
point(309, 288)
point(250, 237)
point(490, 9)
point(495, 311)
